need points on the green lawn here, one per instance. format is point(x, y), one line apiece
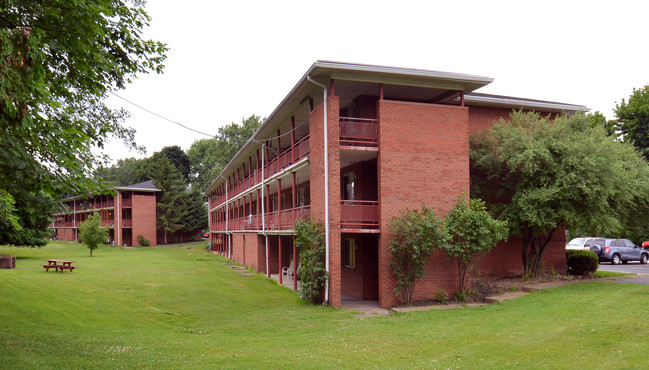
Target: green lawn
point(180, 307)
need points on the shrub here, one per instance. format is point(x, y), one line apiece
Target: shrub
point(415, 236)
point(142, 240)
point(581, 262)
point(441, 296)
point(310, 239)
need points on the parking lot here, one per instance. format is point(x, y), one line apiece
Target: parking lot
point(631, 267)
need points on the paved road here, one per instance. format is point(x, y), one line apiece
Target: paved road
point(631, 267)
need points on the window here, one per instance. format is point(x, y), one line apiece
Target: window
point(349, 253)
point(348, 186)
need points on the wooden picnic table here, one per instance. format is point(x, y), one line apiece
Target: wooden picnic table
point(58, 265)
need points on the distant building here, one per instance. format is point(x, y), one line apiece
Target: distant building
point(131, 211)
point(352, 145)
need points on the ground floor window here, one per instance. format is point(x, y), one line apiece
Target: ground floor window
point(349, 252)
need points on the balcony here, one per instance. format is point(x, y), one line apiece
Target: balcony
point(361, 132)
point(359, 214)
point(286, 158)
point(283, 220)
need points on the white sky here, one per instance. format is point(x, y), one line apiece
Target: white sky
point(231, 59)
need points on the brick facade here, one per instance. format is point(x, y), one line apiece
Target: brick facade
point(405, 144)
point(128, 212)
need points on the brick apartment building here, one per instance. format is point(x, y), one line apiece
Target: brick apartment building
point(354, 145)
point(128, 212)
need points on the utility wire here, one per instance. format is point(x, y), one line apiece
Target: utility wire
point(159, 116)
point(202, 133)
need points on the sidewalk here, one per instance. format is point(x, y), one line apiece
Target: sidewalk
point(371, 308)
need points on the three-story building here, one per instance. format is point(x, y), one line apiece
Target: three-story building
point(353, 145)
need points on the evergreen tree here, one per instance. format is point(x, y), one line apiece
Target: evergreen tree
point(170, 210)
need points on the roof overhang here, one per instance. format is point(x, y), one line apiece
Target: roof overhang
point(487, 100)
point(324, 71)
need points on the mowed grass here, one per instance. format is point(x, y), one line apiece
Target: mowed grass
point(181, 307)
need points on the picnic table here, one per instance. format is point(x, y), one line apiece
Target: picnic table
point(58, 265)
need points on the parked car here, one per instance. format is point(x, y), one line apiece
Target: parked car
point(619, 251)
point(645, 244)
point(206, 235)
point(584, 242)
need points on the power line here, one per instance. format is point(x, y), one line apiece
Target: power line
point(159, 116)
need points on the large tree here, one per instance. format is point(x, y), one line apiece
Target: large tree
point(177, 157)
point(170, 208)
point(208, 157)
point(58, 60)
point(541, 174)
point(125, 172)
point(633, 119)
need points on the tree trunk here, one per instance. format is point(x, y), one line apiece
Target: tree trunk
point(533, 248)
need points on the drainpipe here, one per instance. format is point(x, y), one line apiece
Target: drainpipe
point(263, 212)
point(326, 171)
point(227, 218)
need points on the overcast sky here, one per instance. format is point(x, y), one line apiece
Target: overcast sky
point(231, 59)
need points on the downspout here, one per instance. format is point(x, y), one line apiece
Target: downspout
point(263, 213)
point(326, 171)
point(227, 216)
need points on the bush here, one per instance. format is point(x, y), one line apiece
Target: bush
point(581, 262)
point(142, 240)
point(310, 239)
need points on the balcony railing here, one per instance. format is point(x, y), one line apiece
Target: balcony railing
point(359, 132)
point(286, 158)
point(359, 214)
point(283, 220)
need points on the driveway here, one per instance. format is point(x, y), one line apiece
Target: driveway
point(632, 268)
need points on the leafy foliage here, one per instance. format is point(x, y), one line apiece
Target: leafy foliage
point(415, 235)
point(58, 60)
point(142, 240)
point(310, 239)
point(581, 263)
point(208, 157)
point(170, 210)
point(633, 119)
point(91, 232)
point(541, 174)
point(176, 156)
point(125, 172)
point(472, 232)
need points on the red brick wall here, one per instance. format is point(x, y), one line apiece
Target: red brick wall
point(246, 251)
point(144, 218)
point(423, 159)
point(316, 132)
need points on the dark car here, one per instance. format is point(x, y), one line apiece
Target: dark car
point(619, 251)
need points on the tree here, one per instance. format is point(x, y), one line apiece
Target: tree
point(127, 171)
point(541, 175)
point(415, 236)
point(472, 232)
point(633, 119)
point(58, 60)
point(598, 119)
point(177, 157)
point(310, 240)
point(170, 210)
point(208, 157)
point(91, 233)
point(195, 212)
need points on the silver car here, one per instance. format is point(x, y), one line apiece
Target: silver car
point(582, 243)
